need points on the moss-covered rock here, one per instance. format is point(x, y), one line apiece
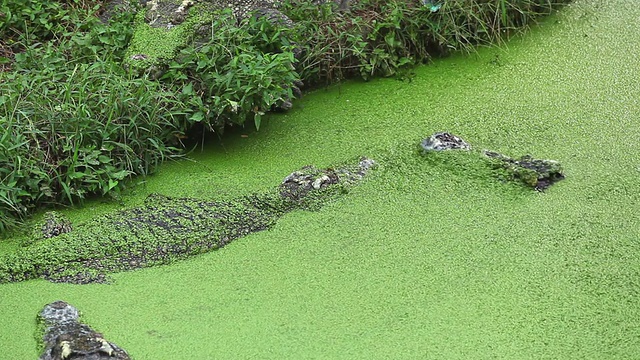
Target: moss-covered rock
point(165, 26)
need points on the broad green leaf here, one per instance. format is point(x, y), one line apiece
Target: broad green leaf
point(197, 117)
point(257, 119)
point(112, 184)
point(188, 89)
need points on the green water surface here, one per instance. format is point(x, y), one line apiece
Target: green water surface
point(420, 261)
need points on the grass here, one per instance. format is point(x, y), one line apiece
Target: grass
point(415, 263)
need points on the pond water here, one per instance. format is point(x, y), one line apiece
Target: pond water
point(418, 261)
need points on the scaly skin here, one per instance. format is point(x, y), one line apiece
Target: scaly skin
point(167, 229)
point(65, 337)
point(536, 173)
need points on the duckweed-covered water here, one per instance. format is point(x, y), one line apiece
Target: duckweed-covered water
point(419, 261)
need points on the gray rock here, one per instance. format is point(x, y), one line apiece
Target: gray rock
point(66, 338)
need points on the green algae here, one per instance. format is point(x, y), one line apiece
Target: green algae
point(418, 263)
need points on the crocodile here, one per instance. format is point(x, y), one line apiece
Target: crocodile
point(538, 174)
point(165, 229)
point(65, 337)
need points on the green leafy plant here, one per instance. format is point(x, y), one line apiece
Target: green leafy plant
point(385, 38)
point(239, 72)
point(28, 20)
point(77, 129)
